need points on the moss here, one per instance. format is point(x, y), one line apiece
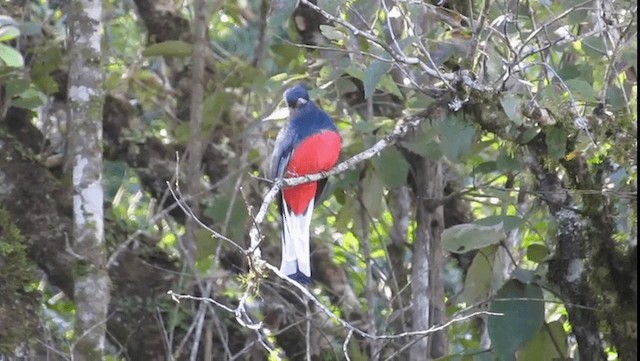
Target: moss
point(19, 299)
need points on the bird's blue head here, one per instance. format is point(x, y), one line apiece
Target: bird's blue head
point(297, 97)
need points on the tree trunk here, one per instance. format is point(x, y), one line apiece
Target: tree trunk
point(86, 99)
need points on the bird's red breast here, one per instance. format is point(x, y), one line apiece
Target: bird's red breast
point(316, 153)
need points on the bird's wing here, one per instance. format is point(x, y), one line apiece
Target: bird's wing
point(281, 152)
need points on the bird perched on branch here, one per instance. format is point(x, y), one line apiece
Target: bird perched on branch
point(309, 143)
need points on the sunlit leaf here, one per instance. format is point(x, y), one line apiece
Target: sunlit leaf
point(169, 48)
point(11, 57)
point(462, 238)
point(9, 32)
point(537, 252)
point(522, 316)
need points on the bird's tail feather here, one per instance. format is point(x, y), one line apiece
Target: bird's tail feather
point(295, 243)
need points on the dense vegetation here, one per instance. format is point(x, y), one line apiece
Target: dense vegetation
point(486, 207)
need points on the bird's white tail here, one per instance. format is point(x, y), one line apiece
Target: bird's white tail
point(295, 241)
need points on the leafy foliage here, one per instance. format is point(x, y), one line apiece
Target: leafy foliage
point(561, 103)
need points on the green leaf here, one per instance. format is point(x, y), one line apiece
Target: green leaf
point(17, 86)
point(212, 109)
point(11, 57)
point(509, 222)
point(522, 316)
point(549, 344)
point(9, 32)
point(169, 48)
point(581, 90)
point(391, 167)
point(556, 140)
point(594, 47)
point(423, 143)
point(486, 167)
point(477, 284)
point(372, 75)
point(29, 99)
point(372, 192)
point(332, 33)
point(464, 237)
point(537, 252)
point(29, 28)
point(457, 137)
point(281, 11)
point(506, 162)
point(511, 105)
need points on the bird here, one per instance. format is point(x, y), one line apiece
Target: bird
point(308, 143)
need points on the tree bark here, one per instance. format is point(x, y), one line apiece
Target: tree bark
point(426, 274)
point(86, 100)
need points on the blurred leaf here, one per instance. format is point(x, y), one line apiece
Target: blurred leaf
point(219, 209)
point(556, 140)
point(372, 192)
point(281, 11)
point(16, 86)
point(462, 238)
point(549, 344)
point(594, 47)
point(520, 321)
point(509, 222)
point(486, 167)
point(212, 109)
point(332, 33)
point(169, 48)
point(29, 99)
point(457, 138)
point(29, 28)
point(9, 32)
point(581, 90)
point(11, 57)
point(616, 98)
point(505, 162)
point(477, 284)
point(372, 75)
point(537, 252)
point(7, 20)
point(391, 167)
point(511, 105)
point(523, 275)
point(331, 6)
point(423, 143)
point(553, 99)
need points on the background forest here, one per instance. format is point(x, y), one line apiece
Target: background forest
point(486, 208)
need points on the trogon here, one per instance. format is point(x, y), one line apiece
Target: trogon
point(309, 143)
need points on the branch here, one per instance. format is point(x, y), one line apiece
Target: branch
point(401, 129)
